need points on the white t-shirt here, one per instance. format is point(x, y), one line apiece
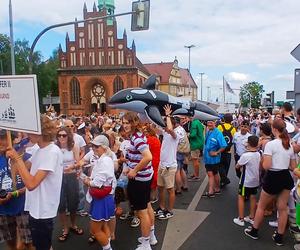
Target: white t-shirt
point(240, 142)
point(43, 201)
point(79, 141)
point(251, 162)
point(169, 148)
point(280, 156)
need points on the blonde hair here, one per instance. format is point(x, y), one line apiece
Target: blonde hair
point(48, 128)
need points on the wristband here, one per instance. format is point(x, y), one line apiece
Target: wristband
point(14, 194)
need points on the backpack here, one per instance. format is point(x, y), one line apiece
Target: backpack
point(184, 145)
point(228, 137)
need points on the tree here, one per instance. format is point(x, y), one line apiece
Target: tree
point(46, 71)
point(253, 90)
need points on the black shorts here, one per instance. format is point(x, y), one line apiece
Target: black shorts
point(139, 194)
point(212, 168)
point(276, 181)
point(41, 231)
point(247, 191)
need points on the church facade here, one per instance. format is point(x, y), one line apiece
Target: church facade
point(97, 63)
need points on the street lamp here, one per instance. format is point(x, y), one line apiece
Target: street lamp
point(201, 86)
point(189, 47)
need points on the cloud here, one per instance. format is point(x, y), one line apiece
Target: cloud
point(284, 77)
point(238, 77)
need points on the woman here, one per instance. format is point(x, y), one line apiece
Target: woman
point(278, 158)
point(140, 174)
point(69, 197)
point(102, 209)
point(43, 183)
point(154, 146)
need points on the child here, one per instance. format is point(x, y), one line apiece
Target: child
point(249, 180)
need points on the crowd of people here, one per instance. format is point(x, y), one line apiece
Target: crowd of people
point(90, 164)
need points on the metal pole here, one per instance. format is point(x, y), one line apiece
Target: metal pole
point(66, 24)
point(201, 86)
point(12, 43)
point(189, 47)
point(1, 67)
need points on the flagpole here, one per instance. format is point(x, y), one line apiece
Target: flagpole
point(223, 90)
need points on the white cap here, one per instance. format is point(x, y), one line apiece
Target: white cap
point(100, 140)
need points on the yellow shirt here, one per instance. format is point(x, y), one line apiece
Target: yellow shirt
point(227, 126)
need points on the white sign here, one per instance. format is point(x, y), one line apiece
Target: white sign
point(19, 104)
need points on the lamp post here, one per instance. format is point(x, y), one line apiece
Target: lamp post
point(12, 43)
point(189, 47)
point(201, 86)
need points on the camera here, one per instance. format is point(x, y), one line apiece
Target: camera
point(3, 193)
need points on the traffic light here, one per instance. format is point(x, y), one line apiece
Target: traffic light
point(270, 99)
point(140, 19)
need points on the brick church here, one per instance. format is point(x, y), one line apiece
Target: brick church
point(98, 64)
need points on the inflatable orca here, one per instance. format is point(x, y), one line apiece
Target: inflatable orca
point(147, 100)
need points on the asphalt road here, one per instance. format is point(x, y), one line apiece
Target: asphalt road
point(216, 232)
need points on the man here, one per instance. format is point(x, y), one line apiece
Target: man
point(168, 164)
point(228, 132)
point(215, 144)
point(196, 138)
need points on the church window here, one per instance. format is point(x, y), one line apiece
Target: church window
point(82, 58)
point(73, 59)
point(91, 35)
point(129, 61)
point(118, 84)
point(120, 57)
point(75, 91)
point(110, 41)
point(92, 58)
point(100, 35)
point(81, 43)
point(101, 58)
point(111, 58)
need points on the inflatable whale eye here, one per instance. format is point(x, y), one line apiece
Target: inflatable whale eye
point(150, 102)
point(129, 98)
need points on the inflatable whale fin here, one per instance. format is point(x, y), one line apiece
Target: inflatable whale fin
point(154, 115)
point(150, 83)
point(182, 111)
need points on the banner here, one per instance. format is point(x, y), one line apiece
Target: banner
point(19, 104)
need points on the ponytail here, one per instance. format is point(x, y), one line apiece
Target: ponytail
point(280, 125)
point(284, 136)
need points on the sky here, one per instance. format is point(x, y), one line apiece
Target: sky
point(243, 41)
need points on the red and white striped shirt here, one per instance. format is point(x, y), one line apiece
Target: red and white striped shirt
point(138, 143)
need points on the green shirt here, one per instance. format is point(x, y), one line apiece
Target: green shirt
point(196, 135)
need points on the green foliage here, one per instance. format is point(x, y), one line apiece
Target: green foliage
point(253, 89)
point(46, 71)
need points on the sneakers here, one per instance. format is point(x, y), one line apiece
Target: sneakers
point(208, 195)
point(294, 230)
point(166, 215)
point(193, 178)
point(251, 232)
point(82, 213)
point(277, 238)
point(239, 221)
point(135, 222)
point(125, 216)
point(143, 247)
point(153, 241)
point(249, 220)
point(273, 223)
point(158, 212)
point(297, 247)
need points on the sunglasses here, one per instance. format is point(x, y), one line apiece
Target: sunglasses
point(95, 146)
point(72, 126)
point(62, 135)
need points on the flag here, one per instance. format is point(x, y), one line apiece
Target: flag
point(227, 87)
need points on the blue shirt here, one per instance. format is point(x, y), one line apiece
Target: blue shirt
point(15, 205)
point(214, 140)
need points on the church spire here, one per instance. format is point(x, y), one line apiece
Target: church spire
point(84, 7)
point(94, 7)
point(133, 46)
point(124, 33)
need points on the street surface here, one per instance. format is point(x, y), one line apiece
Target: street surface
point(217, 231)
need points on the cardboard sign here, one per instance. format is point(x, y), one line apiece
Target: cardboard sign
point(19, 104)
